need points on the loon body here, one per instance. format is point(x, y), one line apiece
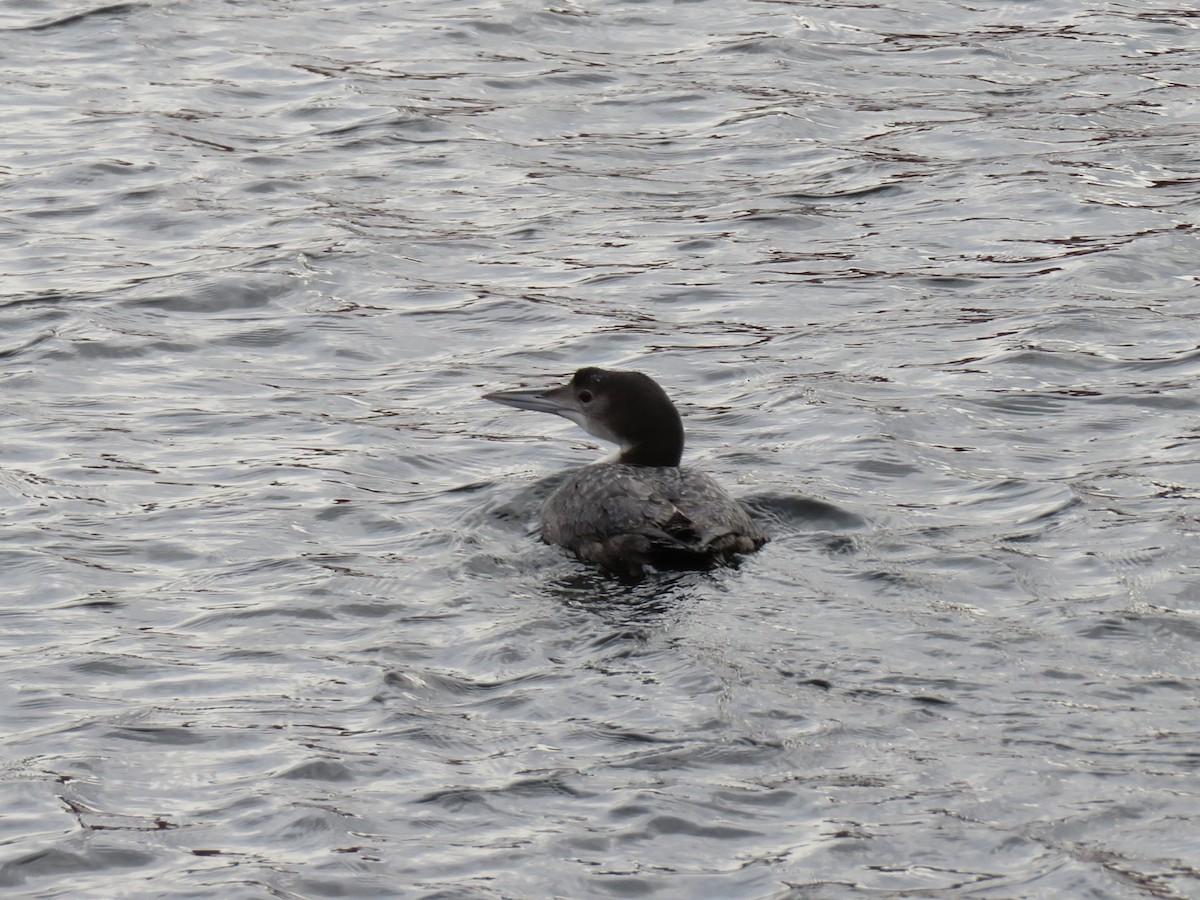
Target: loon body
point(643, 511)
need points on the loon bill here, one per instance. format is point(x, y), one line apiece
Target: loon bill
point(642, 512)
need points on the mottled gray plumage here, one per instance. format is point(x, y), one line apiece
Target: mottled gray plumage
point(627, 518)
point(644, 511)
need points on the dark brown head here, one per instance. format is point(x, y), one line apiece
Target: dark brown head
point(627, 408)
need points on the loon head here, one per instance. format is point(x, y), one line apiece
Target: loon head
point(627, 408)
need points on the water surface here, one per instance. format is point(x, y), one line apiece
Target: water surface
point(923, 283)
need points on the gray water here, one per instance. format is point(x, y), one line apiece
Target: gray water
point(923, 283)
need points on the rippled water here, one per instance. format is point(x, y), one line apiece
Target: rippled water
point(922, 281)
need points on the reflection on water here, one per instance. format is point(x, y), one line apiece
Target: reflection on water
point(922, 282)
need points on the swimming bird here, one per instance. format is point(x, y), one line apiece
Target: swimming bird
point(641, 512)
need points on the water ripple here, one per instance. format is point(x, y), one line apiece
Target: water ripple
point(922, 283)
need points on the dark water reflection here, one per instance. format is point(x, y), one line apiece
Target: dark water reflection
point(922, 281)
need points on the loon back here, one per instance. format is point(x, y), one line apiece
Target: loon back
point(631, 519)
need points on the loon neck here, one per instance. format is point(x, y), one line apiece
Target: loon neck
point(660, 450)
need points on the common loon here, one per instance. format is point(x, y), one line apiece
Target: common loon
point(641, 512)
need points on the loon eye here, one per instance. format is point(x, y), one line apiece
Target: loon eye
point(585, 396)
